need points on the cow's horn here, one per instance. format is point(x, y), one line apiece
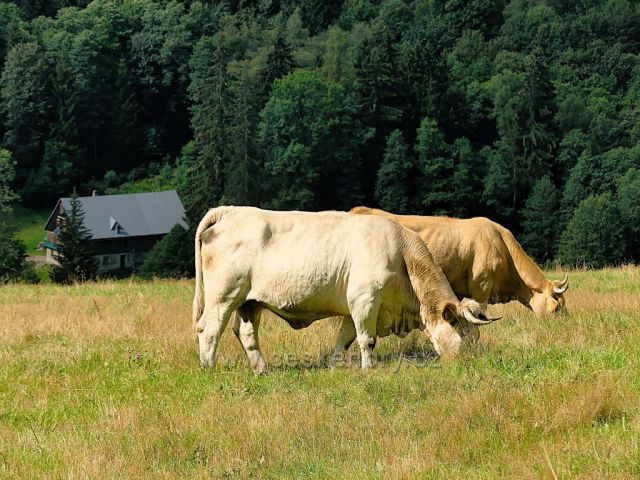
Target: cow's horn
point(560, 290)
point(482, 320)
point(564, 284)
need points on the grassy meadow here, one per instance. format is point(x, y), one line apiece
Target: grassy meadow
point(102, 381)
point(30, 225)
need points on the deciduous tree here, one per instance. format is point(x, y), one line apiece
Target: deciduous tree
point(13, 266)
point(311, 139)
point(594, 235)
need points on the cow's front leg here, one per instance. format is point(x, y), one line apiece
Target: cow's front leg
point(480, 288)
point(245, 326)
point(345, 338)
point(480, 283)
point(209, 329)
point(364, 312)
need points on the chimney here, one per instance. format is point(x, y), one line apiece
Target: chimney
point(94, 193)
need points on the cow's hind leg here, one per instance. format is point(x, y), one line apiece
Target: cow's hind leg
point(209, 329)
point(345, 338)
point(245, 326)
point(364, 312)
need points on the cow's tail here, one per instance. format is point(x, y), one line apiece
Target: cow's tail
point(210, 218)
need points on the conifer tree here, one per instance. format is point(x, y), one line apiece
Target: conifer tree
point(436, 167)
point(466, 180)
point(524, 111)
point(379, 93)
point(381, 97)
point(498, 187)
point(541, 220)
point(243, 167)
point(75, 256)
point(539, 136)
point(393, 180)
point(209, 91)
point(279, 62)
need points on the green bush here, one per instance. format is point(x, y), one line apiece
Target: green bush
point(171, 257)
point(30, 273)
point(594, 236)
point(12, 255)
point(629, 205)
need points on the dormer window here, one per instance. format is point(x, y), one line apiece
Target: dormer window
point(114, 225)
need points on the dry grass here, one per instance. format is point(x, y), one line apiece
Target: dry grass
point(102, 381)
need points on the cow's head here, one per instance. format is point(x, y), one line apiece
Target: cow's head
point(551, 299)
point(457, 324)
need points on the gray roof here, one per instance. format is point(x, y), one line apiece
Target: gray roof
point(129, 215)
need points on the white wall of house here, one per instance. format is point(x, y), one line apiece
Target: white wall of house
point(51, 256)
point(107, 262)
point(114, 261)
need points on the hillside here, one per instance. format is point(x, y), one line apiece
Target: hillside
point(30, 224)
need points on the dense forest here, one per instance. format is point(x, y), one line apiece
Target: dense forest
point(527, 112)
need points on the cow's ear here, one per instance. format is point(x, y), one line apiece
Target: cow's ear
point(449, 313)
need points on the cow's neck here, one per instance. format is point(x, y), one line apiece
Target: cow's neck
point(527, 270)
point(524, 295)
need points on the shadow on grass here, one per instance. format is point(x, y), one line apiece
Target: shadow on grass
point(288, 362)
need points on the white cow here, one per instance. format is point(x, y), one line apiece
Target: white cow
point(306, 266)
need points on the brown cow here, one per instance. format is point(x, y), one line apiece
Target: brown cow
point(482, 260)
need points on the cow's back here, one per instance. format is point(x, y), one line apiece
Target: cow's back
point(285, 257)
point(468, 250)
point(465, 249)
point(462, 248)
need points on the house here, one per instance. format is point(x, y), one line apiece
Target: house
point(123, 228)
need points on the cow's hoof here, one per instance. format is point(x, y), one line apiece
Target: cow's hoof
point(260, 368)
point(335, 360)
